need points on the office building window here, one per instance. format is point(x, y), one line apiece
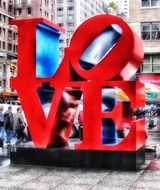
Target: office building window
point(70, 8)
point(60, 9)
point(4, 32)
point(59, 1)
point(150, 3)
point(70, 16)
point(29, 11)
point(18, 12)
point(69, 1)
point(9, 47)
point(14, 36)
point(4, 18)
point(4, 45)
point(10, 7)
point(18, 1)
point(60, 18)
point(4, 5)
point(151, 63)
point(150, 31)
point(70, 24)
point(9, 34)
point(61, 24)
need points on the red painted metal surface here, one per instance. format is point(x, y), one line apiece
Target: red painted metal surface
point(120, 64)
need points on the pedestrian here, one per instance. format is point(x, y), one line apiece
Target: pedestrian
point(9, 125)
point(1, 126)
point(80, 121)
point(20, 126)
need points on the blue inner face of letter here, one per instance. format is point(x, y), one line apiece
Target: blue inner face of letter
point(100, 46)
point(47, 51)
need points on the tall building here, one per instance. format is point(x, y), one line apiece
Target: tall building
point(71, 13)
point(16, 9)
point(8, 46)
point(34, 8)
point(145, 20)
point(123, 8)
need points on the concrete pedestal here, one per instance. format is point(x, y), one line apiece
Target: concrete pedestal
point(116, 160)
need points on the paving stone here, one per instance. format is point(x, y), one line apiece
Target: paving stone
point(84, 181)
point(7, 183)
point(141, 188)
point(71, 187)
point(105, 187)
point(147, 184)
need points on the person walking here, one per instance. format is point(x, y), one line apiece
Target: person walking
point(9, 125)
point(1, 126)
point(19, 125)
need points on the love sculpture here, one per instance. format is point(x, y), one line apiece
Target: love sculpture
point(104, 53)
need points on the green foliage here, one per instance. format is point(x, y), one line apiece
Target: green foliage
point(113, 5)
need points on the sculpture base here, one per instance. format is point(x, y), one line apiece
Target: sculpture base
point(116, 160)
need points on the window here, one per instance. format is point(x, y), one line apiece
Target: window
point(4, 18)
point(4, 5)
point(59, 1)
point(70, 16)
point(150, 31)
point(18, 12)
point(4, 32)
point(18, 1)
point(61, 24)
point(70, 1)
point(70, 24)
point(150, 3)
point(14, 48)
point(9, 34)
point(9, 47)
point(60, 9)
point(70, 8)
point(29, 11)
point(4, 45)
point(151, 63)
point(60, 18)
point(10, 8)
point(14, 36)
point(52, 18)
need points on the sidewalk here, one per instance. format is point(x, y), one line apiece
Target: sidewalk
point(18, 177)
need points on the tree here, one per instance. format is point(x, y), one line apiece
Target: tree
point(113, 5)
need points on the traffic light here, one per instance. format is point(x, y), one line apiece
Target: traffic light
point(12, 68)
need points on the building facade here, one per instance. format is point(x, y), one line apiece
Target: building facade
point(123, 8)
point(118, 7)
point(16, 9)
point(145, 20)
point(34, 8)
point(71, 13)
point(8, 46)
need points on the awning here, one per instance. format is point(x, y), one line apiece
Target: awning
point(5, 93)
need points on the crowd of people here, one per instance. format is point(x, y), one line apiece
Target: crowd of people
point(12, 126)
